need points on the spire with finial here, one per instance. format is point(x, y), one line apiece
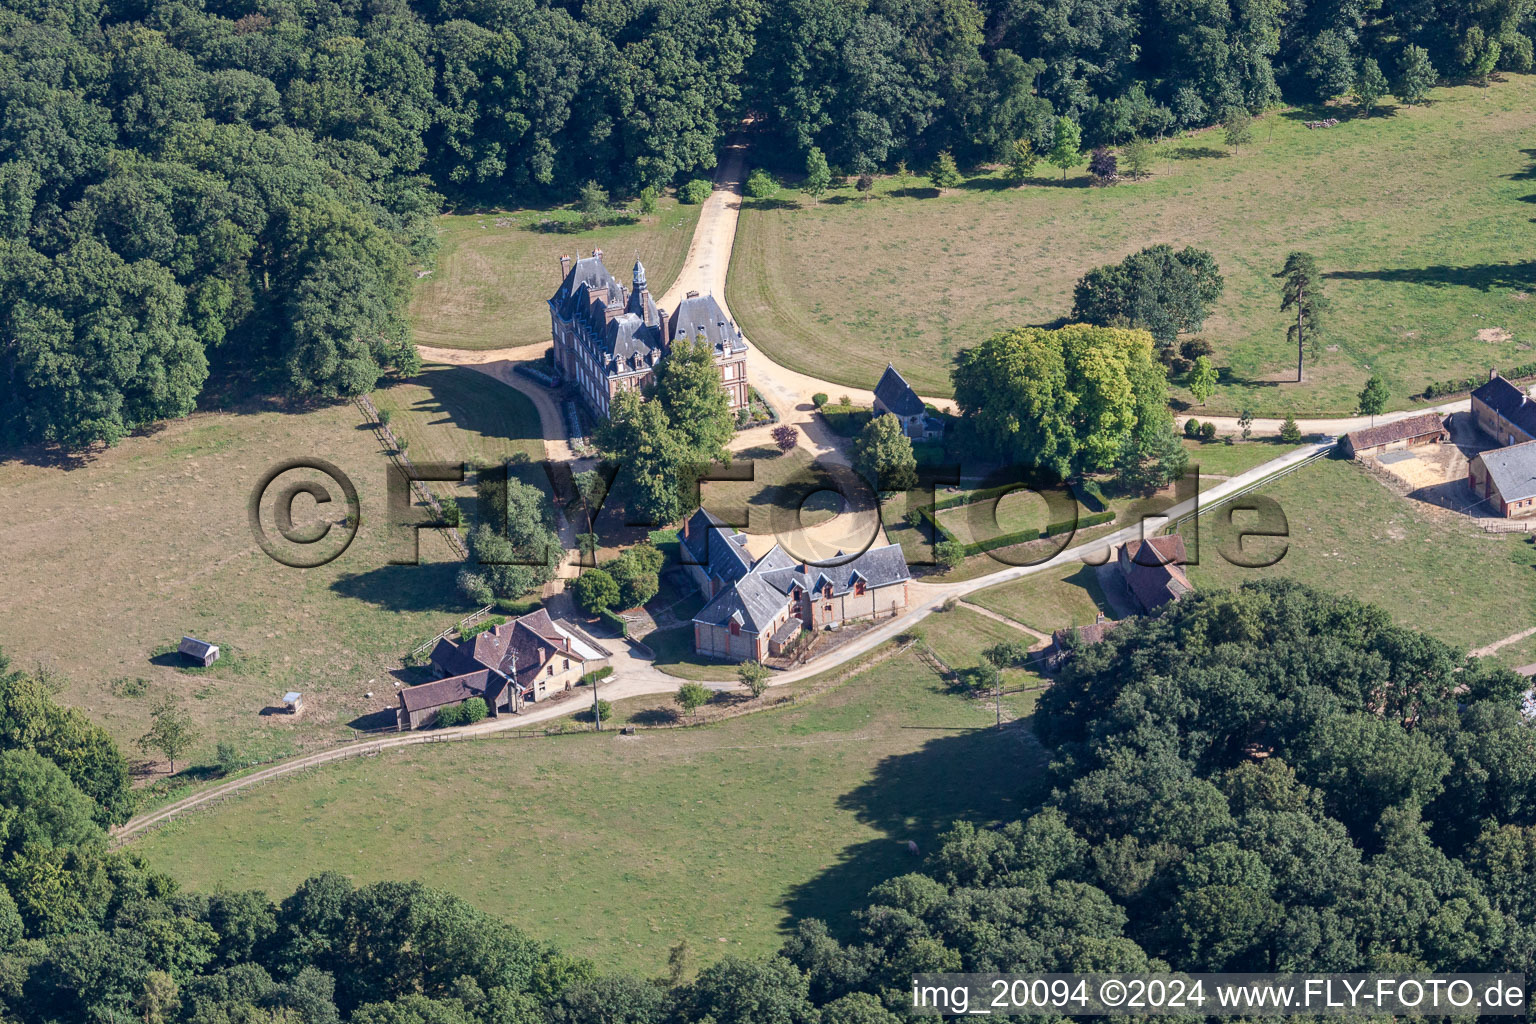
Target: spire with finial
point(639, 275)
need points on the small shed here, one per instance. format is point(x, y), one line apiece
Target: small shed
point(293, 702)
point(197, 651)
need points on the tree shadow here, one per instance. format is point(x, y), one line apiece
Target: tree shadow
point(1528, 174)
point(914, 192)
point(1481, 276)
point(1197, 153)
point(985, 776)
point(773, 203)
point(654, 717)
point(987, 184)
point(427, 587)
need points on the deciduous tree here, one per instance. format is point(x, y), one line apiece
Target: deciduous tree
point(882, 454)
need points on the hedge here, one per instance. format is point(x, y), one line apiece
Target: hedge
point(615, 621)
point(1006, 540)
point(1453, 387)
point(592, 678)
point(489, 622)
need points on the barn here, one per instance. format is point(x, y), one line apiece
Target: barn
point(1409, 432)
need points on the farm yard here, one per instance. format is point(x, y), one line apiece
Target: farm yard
point(495, 269)
point(618, 847)
point(149, 541)
point(1412, 217)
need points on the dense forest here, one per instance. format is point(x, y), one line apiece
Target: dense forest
point(1268, 779)
point(232, 194)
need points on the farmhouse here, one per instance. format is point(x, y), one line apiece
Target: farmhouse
point(608, 340)
point(1154, 570)
point(1425, 428)
point(755, 608)
point(1503, 411)
point(894, 396)
point(524, 660)
point(1506, 478)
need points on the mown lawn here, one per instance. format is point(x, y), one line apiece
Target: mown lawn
point(1430, 569)
point(495, 271)
point(1420, 220)
point(150, 540)
point(617, 847)
point(1068, 595)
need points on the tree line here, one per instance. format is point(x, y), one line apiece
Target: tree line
point(196, 196)
point(1267, 779)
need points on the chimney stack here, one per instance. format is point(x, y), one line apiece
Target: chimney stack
point(565, 267)
point(1493, 374)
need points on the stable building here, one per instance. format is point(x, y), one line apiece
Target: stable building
point(1503, 411)
point(1153, 570)
point(1408, 432)
point(609, 339)
point(1506, 479)
point(755, 608)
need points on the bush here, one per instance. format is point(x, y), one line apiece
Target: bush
point(452, 515)
point(451, 716)
point(593, 678)
point(595, 591)
point(761, 184)
point(228, 758)
point(604, 708)
point(950, 553)
point(384, 417)
point(1208, 431)
point(1191, 428)
point(473, 710)
point(696, 191)
point(819, 399)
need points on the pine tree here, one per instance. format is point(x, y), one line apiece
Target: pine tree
point(1302, 292)
point(944, 175)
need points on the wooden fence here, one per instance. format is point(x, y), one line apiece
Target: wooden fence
point(403, 461)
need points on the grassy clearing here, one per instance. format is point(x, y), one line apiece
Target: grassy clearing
point(1050, 600)
point(1418, 217)
point(1217, 459)
point(495, 271)
point(1430, 569)
point(618, 847)
point(150, 541)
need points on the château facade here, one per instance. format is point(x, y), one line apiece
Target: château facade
point(608, 339)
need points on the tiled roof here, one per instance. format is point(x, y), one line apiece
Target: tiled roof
point(1398, 430)
point(1509, 402)
point(453, 690)
point(1154, 570)
point(896, 394)
point(1512, 470)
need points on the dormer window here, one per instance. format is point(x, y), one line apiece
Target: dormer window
point(858, 589)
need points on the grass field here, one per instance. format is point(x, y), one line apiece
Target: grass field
point(111, 561)
point(495, 271)
point(1421, 220)
point(1050, 600)
point(1430, 569)
point(617, 847)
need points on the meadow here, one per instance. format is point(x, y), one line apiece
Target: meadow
point(1430, 569)
point(618, 847)
point(1419, 218)
point(110, 562)
point(496, 269)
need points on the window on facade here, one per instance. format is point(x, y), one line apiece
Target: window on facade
point(735, 629)
point(858, 589)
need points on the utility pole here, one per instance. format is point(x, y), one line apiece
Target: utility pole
point(597, 711)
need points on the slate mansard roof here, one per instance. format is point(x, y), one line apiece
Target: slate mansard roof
point(896, 394)
point(756, 592)
point(627, 325)
point(1509, 402)
point(1512, 470)
point(701, 314)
